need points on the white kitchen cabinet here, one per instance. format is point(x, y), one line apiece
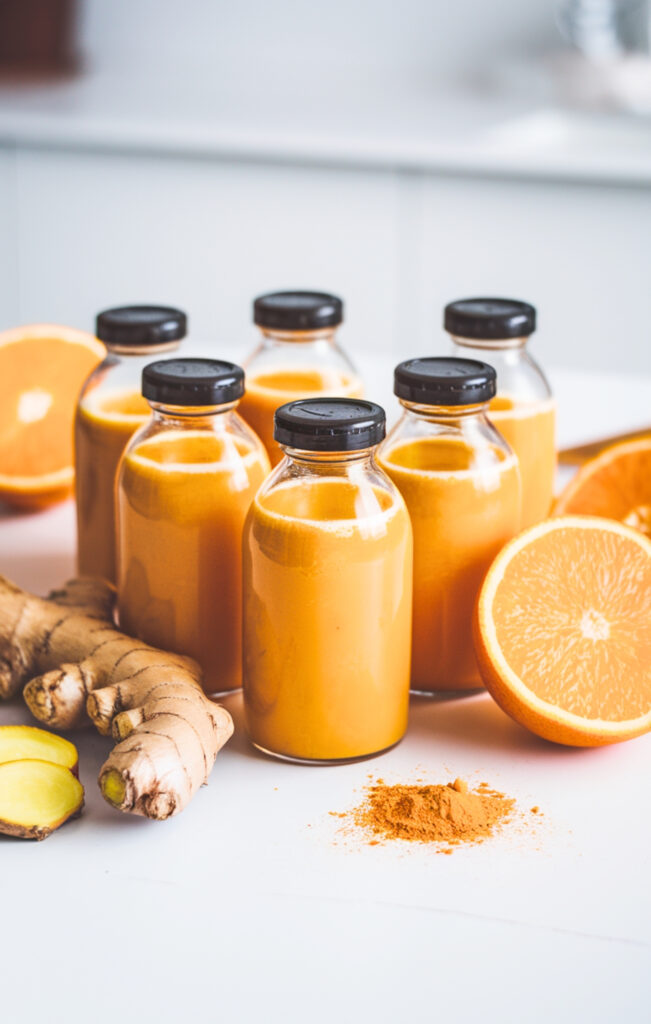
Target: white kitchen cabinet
point(208, 235)
point(90, 227)
point(579, 252)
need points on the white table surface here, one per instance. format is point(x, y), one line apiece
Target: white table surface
point(250, 906)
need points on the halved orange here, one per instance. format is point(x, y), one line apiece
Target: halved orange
point(563, 630)
point(615, 484)
point(42, 369)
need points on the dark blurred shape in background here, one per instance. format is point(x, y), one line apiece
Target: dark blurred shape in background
point(38, 38)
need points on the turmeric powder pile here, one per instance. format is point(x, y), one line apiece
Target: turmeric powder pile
point(447, 814)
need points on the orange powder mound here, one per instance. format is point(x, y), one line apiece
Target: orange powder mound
point(449, 814)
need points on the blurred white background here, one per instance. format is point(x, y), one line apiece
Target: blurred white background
point(401, 155)
point(415, 39)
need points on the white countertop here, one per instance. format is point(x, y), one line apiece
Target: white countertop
point(352, 120)
point(249, 906)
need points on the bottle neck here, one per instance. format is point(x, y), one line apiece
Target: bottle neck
point(125, 351)
point(490, 343)
point(274, 336)
point(329, 460)
point(447, 414)
point(190, 415)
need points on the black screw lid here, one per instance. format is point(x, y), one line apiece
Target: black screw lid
point(192, 382)
point(141, 325)
point(490, 319)
point(443, 381)
point(330, 424)
point(298, 311)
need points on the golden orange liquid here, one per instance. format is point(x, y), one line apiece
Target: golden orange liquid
point(327, 620)
point(461, 516)
point(530, 429)
point(182, 501)
point(104, 425)
point(265, 392)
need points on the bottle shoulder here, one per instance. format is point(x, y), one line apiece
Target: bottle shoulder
point(520, 377)
point(330, 498)
point(287, 357)
point(439, 466)
point(420, 437)
point(113, 391)
point(120, 372)
point(221, 444)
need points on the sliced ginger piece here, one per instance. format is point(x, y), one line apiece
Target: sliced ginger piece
point(26, 742)
point(36, 797)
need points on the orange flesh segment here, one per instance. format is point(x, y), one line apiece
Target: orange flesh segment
point(40, 379)
point(616, 485)
point(572, 615)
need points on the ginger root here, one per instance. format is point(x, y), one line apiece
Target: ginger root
point(75, 665)
point(36, 797)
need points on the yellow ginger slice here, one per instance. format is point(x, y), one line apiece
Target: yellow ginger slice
point(36, 797)
point(26, 742)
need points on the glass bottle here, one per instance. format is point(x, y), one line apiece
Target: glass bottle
point(109, 411)
point(461, 485)
point(327, 591)
point(523, 410)
point(185, 484)
point(298, 357)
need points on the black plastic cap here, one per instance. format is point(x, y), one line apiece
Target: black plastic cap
point(141, 325)
point(192, 382)
point(489, 319)
point(444, 382)
point(330, 424)
point(298, 311)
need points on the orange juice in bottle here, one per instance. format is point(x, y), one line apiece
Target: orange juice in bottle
point(298, 357)
point(523, 409)
point(327, 591)
point(185, 485)
point(461, 484)
point(110, 410)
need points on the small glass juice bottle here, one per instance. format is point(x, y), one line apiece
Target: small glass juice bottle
point(298, 357)
point(327, 591)
point(523, 409)
point(110, 410)
point(461, 485)
point(185, 484)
